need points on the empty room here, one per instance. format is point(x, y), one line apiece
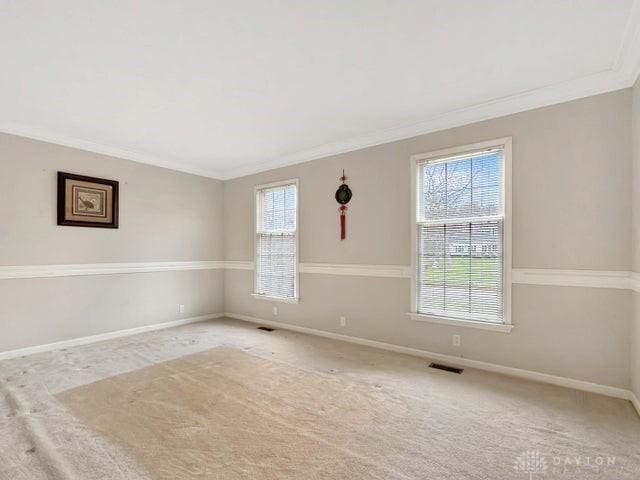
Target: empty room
point(320, 240)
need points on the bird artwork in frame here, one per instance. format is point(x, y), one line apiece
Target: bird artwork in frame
point(87, 201)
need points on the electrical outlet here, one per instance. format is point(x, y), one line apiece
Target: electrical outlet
point(343, 321)
point(180, 308)
point(275, 311)
point(456, 340)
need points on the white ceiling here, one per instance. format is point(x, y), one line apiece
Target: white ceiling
point(231, 87)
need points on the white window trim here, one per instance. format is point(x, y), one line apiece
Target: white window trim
point(269, 298)
point(505, 145)
point(458, 322)
point(256, 189)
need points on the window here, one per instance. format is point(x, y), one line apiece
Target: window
point(277, 241)
point(462, 236)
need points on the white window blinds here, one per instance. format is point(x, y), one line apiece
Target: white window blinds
point(460, 236)
point(276, 241)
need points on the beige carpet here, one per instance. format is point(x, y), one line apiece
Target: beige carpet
point(222, 400)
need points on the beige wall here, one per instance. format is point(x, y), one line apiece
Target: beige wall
point(635, 225)
point(45, 310)
point(562, 211)
point(164, 216)
point(571, 203)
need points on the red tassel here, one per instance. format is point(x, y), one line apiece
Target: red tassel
point(343, 223)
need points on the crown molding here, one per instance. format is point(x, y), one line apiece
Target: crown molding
point(598, 83)
point(623, 73)
point(595, 84)
point(628, 60)
point(112, 151)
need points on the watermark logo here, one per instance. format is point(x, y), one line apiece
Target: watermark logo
point(531, 462)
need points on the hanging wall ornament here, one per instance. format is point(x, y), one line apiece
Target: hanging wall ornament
point(343, 195)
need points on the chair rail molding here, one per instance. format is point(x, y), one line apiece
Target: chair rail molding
point(68, 270)
point(573, 278)
point(524, 276)
point(634, 281)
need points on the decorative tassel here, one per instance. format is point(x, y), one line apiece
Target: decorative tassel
point(343, 195)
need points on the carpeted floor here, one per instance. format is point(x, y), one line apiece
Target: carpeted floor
point(222, 400)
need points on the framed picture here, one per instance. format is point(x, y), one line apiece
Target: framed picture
point(87, 201)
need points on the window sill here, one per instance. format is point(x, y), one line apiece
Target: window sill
point(275, 299)
point(458, 322)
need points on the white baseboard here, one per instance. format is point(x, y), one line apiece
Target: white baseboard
point(458, 361)
point(635, 402)
point(104, 336)
point(463, 362)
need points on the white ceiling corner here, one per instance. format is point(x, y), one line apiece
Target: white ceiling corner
point(112, 151)
point(624, 73)
point(215, 90)
point(627, 63)
point(605, 81)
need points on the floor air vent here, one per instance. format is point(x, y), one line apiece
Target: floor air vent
point(446, 368)
point(266, 329)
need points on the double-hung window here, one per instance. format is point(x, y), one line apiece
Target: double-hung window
point(462, 234)
point(276, 241)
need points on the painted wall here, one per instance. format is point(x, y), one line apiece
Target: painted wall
point(571, 203)
point(164, 216)
point(565, 217)
point(635, 245)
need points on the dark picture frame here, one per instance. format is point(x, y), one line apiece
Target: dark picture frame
point(97, 199)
